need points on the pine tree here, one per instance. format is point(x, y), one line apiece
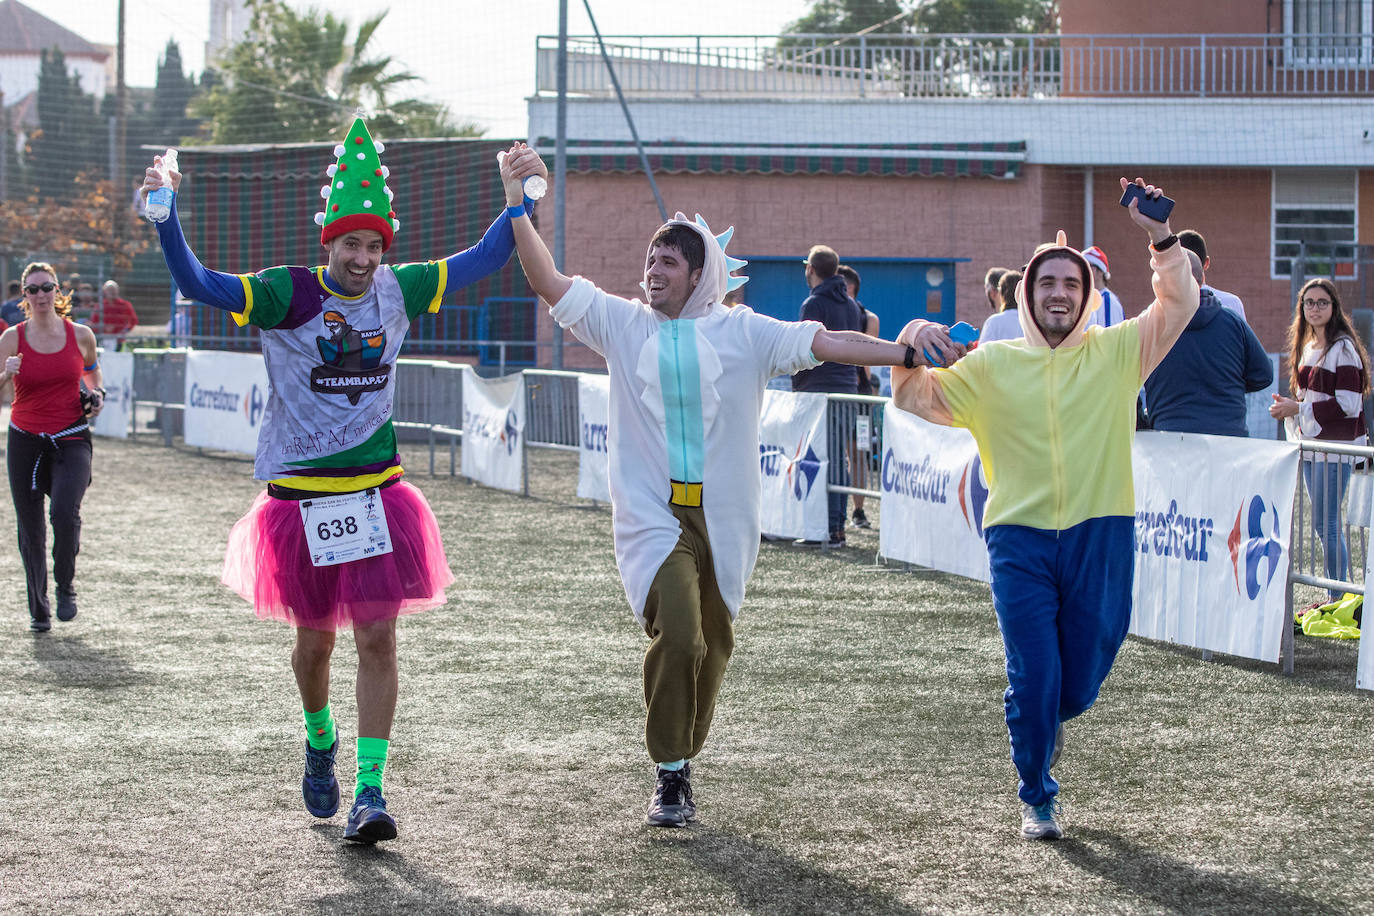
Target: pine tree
point(71, 137)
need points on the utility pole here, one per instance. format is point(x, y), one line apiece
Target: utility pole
point(121, 124)
point(560, 165)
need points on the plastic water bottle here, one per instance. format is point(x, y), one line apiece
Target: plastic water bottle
point(534, 186)
point(159, 205)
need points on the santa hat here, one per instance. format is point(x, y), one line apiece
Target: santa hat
point(1097, 258)
point(357, 196)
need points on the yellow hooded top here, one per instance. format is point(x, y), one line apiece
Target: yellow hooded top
point(1054, 425)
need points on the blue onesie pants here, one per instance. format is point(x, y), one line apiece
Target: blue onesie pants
point(1063, 601)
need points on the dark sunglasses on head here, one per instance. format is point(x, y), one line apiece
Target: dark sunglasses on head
point(33, 288)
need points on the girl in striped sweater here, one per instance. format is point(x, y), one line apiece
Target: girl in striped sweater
point(1328, 372)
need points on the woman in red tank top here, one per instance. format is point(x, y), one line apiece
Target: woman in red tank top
point(48, 358)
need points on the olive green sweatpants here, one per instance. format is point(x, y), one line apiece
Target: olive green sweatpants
point(691, 638)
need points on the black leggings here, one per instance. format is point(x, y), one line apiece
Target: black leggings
point(63, 473)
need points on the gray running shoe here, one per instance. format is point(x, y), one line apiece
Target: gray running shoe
point(671, 805)
point(1041, 822)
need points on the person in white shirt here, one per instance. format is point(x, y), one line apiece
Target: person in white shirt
point(1113, 311)
point(1192, 240)
point(687, 377)
point(1006, 324)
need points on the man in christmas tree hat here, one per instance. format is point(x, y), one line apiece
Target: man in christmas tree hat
point(339, 539)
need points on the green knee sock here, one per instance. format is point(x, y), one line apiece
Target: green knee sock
point(371, 763)
point(319, 728)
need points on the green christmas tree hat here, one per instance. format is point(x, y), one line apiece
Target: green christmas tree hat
point(357, 196)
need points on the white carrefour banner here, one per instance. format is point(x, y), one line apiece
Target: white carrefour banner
point(594, 412)
point(794, 465)
point(117, 375)
point(1364, 671)
point(933, 496)
point(494, 430)
point(226, 394)
point(1212, 541)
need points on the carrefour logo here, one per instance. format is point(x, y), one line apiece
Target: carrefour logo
point(1255, 546)
point(921, 480)
point(802, 470)
point(253, 405)
point(973, 494)
point(594, 436)
point(1173, 534)
point(481, 426)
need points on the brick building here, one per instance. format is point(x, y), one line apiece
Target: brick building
point(925, 160)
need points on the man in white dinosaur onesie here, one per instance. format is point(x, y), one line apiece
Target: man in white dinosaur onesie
point(687, 376)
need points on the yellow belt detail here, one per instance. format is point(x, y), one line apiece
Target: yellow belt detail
point(685, 494)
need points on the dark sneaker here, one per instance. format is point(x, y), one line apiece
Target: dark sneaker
point(689, 807)
point(860, 519)
point(1058, 745)
point(319, 788)
point(836, 540)
point(66, 604)
point(672, 804)
point(1041, 822)
point(368, 821)
point(40, 624)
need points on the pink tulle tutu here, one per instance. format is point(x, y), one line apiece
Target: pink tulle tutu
point(268, 564)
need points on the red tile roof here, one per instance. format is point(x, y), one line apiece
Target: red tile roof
point(23, 30)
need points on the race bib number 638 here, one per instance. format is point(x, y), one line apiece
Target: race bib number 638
point(344, 528)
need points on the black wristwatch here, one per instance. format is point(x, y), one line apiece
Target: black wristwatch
point(909, 360)
point(1164, 244)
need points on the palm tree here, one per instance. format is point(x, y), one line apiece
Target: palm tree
point(296, 76)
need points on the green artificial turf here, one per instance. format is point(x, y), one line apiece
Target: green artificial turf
point(858, 763)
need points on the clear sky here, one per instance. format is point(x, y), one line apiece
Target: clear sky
point(476, 57)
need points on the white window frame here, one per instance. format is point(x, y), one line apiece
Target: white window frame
point(1300, 55)
point(1274, 240)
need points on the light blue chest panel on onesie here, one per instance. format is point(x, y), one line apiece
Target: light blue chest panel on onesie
point(679, 371)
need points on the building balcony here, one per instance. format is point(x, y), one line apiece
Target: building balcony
point(965, 66)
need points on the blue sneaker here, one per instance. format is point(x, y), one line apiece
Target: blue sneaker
point(319, 788)
point(368, 822)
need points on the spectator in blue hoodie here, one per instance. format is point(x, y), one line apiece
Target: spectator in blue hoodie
point(1201, 384)
point(831, 305)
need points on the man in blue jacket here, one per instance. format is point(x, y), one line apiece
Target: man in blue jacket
point(830, 304)
point(1200, 386)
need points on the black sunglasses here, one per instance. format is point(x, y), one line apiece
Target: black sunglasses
point(33, 288)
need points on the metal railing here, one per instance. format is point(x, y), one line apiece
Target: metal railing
point(429, 410)
point(1000, 65)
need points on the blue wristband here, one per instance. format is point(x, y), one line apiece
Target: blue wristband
point(516, 211)
point(91, 367)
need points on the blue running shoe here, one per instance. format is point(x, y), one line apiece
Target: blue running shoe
point(368, 822)
point(319, 788)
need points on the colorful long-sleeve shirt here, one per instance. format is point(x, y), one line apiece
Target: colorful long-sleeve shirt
point(331, 357)
point(1054, 426)
point(1331, 401)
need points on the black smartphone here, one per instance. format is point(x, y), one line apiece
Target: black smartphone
point(1156, 208)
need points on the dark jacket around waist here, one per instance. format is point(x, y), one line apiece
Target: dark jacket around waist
point(829, 303)
point(1201, 384)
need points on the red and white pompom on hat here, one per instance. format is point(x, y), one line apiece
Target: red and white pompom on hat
point(357, 196)
point(1098, 258)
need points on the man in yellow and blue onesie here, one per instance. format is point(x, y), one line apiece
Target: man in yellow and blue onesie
point(1054, 416)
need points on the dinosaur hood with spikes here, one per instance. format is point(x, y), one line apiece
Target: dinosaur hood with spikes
point(716, 275)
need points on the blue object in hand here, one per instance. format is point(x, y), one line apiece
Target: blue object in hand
point(961, 333)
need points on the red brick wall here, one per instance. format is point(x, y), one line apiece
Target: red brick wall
point(1094, 17)
point(994, 223)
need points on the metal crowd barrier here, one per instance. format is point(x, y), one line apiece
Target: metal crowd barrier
point(429, 407)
